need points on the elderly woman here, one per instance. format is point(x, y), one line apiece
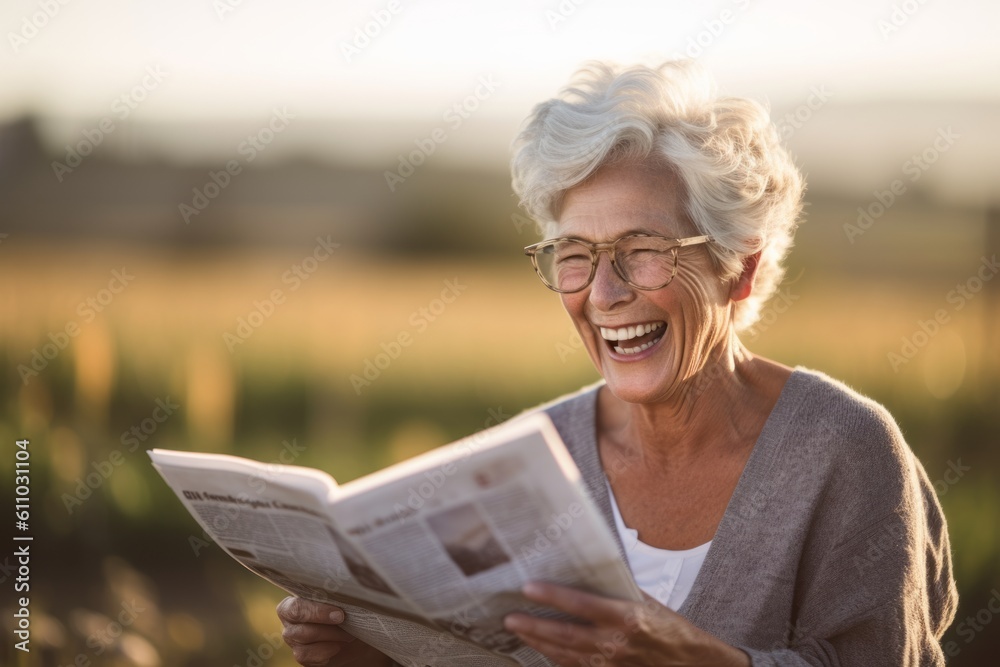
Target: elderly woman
point(772, 515)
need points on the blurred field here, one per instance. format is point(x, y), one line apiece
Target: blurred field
point(502, 345)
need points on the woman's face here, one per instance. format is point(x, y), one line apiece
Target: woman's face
point(689, 317)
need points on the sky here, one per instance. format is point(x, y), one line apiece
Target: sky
point(231, 57)
point(402, 64)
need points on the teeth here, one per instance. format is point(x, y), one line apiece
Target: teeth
point(636, 350)
point(630, 332)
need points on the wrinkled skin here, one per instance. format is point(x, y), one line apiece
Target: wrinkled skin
point(673, 392)
point(312, 632)
point(617, 633)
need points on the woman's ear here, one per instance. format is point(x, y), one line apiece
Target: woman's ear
point(743, 286)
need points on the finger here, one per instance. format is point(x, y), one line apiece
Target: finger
point(576, 645)
point(594, 608)
point(311, 633)
point(560, 633)
point(316, 655)
point(298, 610)
point(562, 656)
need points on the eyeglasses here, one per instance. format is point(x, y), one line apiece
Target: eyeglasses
point(643, 261)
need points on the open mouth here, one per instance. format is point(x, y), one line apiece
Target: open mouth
point(634, 338)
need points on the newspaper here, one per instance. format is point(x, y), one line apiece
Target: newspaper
point(426, 557)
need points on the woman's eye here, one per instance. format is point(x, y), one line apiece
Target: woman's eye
point(640, 254)
point(572, 254)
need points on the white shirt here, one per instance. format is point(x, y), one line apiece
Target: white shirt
point(662, 573)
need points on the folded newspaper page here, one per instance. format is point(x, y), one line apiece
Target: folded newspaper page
point(427, 556)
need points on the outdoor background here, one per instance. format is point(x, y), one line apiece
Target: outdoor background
point(118, 122)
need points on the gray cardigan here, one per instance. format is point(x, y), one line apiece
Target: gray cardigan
point(833, 549)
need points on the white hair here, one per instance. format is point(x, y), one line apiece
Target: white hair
point(741, 185)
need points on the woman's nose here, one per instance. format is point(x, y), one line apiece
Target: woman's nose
point(608, 288)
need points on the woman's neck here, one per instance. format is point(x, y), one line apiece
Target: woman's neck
point(718, 411)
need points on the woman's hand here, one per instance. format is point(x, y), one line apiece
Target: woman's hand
point(617, 633)
point(311, 632)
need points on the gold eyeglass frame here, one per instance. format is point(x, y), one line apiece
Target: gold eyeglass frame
point(597, 248)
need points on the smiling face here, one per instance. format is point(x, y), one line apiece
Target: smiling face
point(648, 345)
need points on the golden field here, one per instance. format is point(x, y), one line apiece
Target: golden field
point(499, 343)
